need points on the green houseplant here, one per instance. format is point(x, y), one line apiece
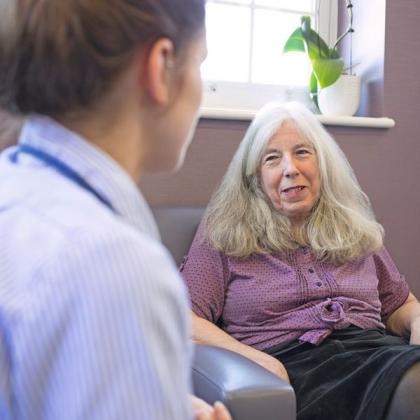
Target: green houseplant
point(327, 64)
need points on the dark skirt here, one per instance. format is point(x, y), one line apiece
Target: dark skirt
point(351, 376)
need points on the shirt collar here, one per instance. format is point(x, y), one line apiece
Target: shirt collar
point(95, 166)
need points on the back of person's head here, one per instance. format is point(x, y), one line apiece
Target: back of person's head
point(242, 221)
point(57, 55)
point(10, 126)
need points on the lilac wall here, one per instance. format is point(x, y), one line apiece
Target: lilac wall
point(386, 162)
point(367, 58)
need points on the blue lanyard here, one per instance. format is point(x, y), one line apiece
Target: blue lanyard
point(62, 168)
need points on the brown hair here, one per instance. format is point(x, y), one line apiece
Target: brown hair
point(57, 55)
point(10, 126)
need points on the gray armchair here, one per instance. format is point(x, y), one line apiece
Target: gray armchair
point(248, 390)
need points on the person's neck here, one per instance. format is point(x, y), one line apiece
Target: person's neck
point(116, 133)
point(299, 234)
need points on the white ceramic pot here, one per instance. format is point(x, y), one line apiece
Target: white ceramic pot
point(342, 98)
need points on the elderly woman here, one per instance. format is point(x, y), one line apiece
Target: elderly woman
point(289, 269)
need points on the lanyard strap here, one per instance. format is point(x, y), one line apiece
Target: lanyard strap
point(62, 168)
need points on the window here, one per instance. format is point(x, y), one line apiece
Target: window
point(245, 67)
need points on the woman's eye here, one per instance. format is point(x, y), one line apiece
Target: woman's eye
point(302, 152)
point(270, 158)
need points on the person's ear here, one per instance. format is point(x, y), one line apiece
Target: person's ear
point(158, 70)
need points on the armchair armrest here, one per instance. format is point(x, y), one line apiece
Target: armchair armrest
point(248, 390)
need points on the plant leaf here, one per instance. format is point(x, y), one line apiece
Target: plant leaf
point(327, 71)
point(313, 88)
point(316, 47)
point(334, 53)
point(295, 42)
point(327, 65)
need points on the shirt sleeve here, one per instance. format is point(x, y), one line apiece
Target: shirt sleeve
point(112, 333)
point(392, 286)
point(206, 274)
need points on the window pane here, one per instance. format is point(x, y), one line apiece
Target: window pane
point(307, 6)
point(228, 43)
point(269, 65)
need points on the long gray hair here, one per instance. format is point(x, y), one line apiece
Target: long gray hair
point(241, 221)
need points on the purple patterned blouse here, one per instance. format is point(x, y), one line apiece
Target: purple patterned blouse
point(266, 300)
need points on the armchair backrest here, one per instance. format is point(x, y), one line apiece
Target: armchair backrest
point(177, 226)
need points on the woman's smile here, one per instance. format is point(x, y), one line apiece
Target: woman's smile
point(295, 192)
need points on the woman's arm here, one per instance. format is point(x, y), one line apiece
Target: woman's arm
point(405, 321)
point(205, 332)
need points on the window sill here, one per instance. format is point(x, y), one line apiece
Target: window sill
point(247, 115)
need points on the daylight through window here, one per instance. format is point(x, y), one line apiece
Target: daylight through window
point(245, 66)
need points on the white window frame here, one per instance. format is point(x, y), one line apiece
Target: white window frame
point(230, 99)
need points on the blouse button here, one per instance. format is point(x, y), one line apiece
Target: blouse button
point(318, 283)
point(311, 270)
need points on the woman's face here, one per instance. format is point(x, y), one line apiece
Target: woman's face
point(177, 125)
point(290, 174)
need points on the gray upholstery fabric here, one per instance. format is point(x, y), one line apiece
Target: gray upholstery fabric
point(177, 226)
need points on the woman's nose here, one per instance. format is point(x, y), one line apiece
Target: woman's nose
point(290, 169)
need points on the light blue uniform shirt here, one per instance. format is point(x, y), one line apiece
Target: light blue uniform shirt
point(93, 315)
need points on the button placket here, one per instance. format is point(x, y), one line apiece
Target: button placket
point(307, 263)
point(318, 283)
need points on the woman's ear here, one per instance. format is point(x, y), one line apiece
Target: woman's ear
point(158, 69)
